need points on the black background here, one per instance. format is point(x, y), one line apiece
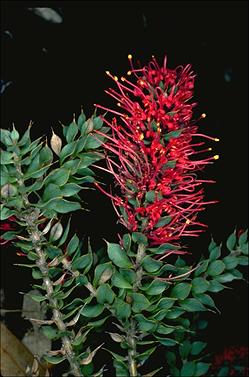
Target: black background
point(95, 36)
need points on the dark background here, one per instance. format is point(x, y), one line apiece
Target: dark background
point(56, 68)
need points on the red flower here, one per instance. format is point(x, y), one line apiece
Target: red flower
point(153, 150)
point(7, 226)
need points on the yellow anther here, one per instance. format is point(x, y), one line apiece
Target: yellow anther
point(122, 78)
point(119, 104)
point(107, 72)
point(129, 73)
point(115, 78)
point(159, 129)
point(129, 56)
point(216, 139)
point(188, 221)
point(216, 157)
point(210, 149)
point(141, 137)
point(203, 115)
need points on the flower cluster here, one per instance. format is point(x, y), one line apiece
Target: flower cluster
point(234, 359)
point(151, 153)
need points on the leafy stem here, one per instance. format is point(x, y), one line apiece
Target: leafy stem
point(31, 217)
point(131, 334)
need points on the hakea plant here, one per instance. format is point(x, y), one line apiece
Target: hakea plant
point(142, 291)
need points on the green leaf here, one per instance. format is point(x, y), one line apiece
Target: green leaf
point(118, 256)
point(70, 189)
point(139, 302)
point(216, 268)
point(121, 368)
point(200, 285)
point(5, 137)
point(197, 347)
point(56, 232)
point(64, 206)
point(5, 213)
point(156, 287)
point(185, 349)
point(52, 191)
point(202, 268)
point(145, 325)
point(139, 238)
point(65, 234)
point(50, 332)
point(58, 176)
point(14, 134)
point(165, 330)
point(73, 244)
point(174, 313)
point(226, 277)
point(93, 141)
point(230, 262)
point(150, 264)
point(103, 272)
point(244, 248)
point(116, 356)
point(46, 155)
point(92, 311)
point(231, 241)
point(54, 359)
point(170, 164)
point(166, 303)
point(206, 300)
point(122, 309)
point(87, 127)
point(168, 342)
point(119, 281)
point(163, 221)
point(173, 134)
point(81, 119)
point(192, 305)
point(188, 369)
point(212, 245)
point(36, 274)
point(88, 158)
point(71, 131)
point(127, 241)
point(164, 247)
point(105, 294)
point(67, 151)
point(243, 260)
point(142, 357)
point(97, 122)
point(150, 196)
point(243, 238)
point(98, 323)
point(215, 253)
point(171, 358)
point(215, 286)
point(8, 191)
point(201, 369)
point(82, 262)
point(181, 291)
point(37, 298)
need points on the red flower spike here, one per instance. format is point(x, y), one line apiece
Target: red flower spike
point(153, 144)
